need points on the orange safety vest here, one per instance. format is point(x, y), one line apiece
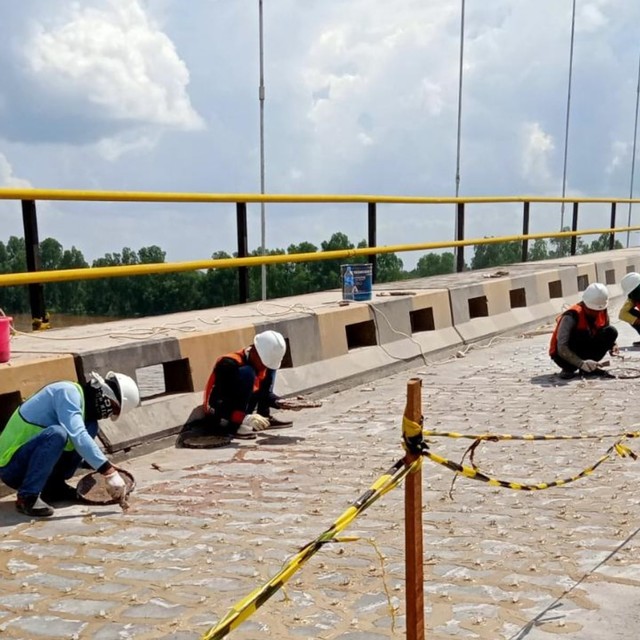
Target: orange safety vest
point(589, 325)
point(242, 360)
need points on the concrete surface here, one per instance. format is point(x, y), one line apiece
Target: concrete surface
point(206, 527)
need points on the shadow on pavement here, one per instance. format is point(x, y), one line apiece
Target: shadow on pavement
point(9, 517)
point(551, 380)
point(270, 438)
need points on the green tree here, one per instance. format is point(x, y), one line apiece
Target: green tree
point(561, 247)
point(13, 260)
point(389, 268)
point(219, 287)
point(601, 244)
point(72, 295)
point(432, 264)
point(493, 255)
point(327, 272)
point(539, 250)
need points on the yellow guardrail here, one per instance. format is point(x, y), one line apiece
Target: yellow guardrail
point(91, 273)
point(151, 196)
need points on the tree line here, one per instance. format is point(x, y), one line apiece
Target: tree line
point(185, 291)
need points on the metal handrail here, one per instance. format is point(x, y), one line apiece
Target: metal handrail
point(36, 278)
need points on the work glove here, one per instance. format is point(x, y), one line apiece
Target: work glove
point(256, 422)
point(589, 365)
point(116, 486)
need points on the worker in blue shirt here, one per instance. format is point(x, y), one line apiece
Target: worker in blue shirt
point(49, 435)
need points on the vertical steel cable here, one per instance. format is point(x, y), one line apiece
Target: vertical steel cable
point(566, 129)
point(459, 131)
point(633, 155)
point(261, 96)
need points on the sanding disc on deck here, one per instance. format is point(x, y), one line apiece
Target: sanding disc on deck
point(92, 488)
point(298, 403)
point(195, 441)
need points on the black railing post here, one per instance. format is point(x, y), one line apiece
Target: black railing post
point(39, 317)
point(525, 231)
point(574, 227)
point(460, 236)
point(612, 236)
point(243, 272)
point(372, 227)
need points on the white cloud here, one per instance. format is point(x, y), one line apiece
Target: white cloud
point(112, 148)
point(537, 150)
point(118, 61)
point(7, 177)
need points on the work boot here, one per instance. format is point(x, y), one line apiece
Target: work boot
point(33, 506)
point(59, 492)
point(567, 374)
point(601, 373)
point(244, 433)
point(275, 423)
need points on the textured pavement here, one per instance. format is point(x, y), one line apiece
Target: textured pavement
point(206, 527)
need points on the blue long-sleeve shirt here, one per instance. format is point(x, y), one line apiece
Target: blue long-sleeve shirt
point(61, 403)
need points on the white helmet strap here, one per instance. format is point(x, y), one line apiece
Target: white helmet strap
point(98, 382)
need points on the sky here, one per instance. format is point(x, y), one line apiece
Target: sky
point(361, 98)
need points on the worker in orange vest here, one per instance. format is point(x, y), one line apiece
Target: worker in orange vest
point(239, 394)
point(630, 310)
point(583, 335)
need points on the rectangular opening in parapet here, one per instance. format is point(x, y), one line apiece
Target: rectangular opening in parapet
point(478, 307)
point(555, 289)
point(361, 334)
point(422, 320)
point(631, 269)
point(164, 379)
point(583, 282)
point(9, 402)
point(610, 276)
point(287, 362)
point(518, 298)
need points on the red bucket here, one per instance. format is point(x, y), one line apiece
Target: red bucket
point(5, 334)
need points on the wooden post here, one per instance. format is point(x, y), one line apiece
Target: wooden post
point(414, 570)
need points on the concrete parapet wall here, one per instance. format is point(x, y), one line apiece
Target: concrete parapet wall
point(18, 382)
point(329, 342)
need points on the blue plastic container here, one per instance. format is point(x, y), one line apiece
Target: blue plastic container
point(356, 281)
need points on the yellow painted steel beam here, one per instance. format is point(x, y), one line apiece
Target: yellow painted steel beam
point(153, 196)
point(92, 273)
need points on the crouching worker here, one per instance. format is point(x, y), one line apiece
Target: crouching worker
point(241, 383)
point(583, 335)
point(630, 310)
point(49, 435)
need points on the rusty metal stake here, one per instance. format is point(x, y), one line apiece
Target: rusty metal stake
point(414, 558)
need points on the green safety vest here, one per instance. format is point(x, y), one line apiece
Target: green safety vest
point(18, 432)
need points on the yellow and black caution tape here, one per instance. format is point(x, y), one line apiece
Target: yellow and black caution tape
point(474, 473)
point(247, 606)
point(495, 437)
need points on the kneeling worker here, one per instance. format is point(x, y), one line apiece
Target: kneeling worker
point(583, 334)
point(241, 383)
point(630, 310)
point(50, 433)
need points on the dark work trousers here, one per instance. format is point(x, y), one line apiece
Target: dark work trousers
point(589, 348)
point(233, 392)
point(41, 464)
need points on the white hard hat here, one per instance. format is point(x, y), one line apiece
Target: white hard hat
point(119, 388)
point(271, 348)
point(630, 282)
point(596, 296)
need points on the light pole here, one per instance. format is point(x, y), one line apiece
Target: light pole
point(566, 129)
point(263, 227)
point(633, 154)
